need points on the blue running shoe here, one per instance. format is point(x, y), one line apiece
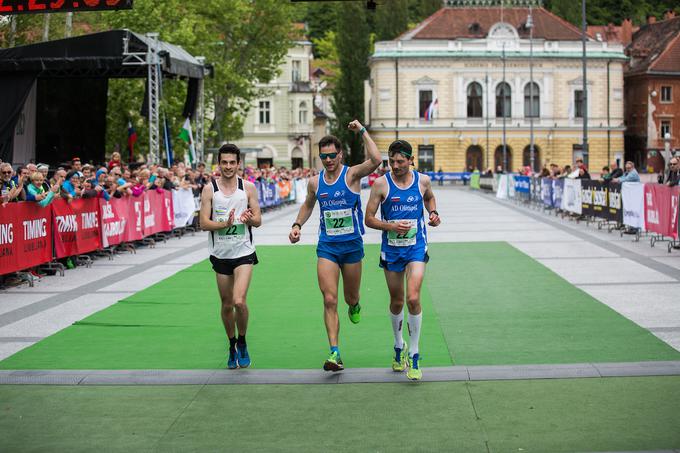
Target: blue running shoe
point(242, 356)
point(231, 361)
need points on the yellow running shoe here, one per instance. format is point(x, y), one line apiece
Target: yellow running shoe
point(414, 372)
point(400, 359)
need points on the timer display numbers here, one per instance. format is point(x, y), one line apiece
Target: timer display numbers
point(8, 7)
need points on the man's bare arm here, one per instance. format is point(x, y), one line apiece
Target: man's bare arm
point(373, 157)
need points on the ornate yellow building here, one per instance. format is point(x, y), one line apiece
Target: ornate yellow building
point(461, 81)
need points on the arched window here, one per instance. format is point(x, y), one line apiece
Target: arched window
point(532, 100)
point(498, 158)
point(302, 113)
point(503, 101)
point(473, 158)
point(526, 157)
point(474, 100)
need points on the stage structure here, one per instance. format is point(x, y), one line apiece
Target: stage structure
point(67, 82)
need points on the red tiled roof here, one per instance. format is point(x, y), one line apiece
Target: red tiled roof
point(453, 23)
point(611, 33)
point(656, 47)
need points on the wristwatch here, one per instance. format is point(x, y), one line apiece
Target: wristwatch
point(296, 225)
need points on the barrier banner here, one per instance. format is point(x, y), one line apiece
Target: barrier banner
point(76, 226)
point(558, 192)
point(25, 236)
point(547, 191)
point(661, 209)
point(633, 204)
point(522, 184)
point(158, 215)
point(587, 198)
point(269, 194)
point(183, 207)
point(536, 189)
point(135, 221)
point(300, 190)
point(614, 209)
point(113, 215)
point(487, 182)
point(571, 196)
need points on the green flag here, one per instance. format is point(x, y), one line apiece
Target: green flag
point(188, 138)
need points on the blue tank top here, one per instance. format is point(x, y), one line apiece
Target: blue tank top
point(403, 204)
point(341, 216)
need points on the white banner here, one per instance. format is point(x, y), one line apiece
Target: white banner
point(571, 196)
point(633, 197)
point(506, 187)
point(300, 190)
point(183, 204)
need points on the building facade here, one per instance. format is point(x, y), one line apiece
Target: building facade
point(281, 125)
point(469, 84)
point(652, 98)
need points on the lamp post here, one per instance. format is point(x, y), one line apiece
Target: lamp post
point(503, 110)
point(486, 110)
point(585, 84)
point(530, 25)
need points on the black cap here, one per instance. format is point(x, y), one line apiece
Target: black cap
point(401, 147)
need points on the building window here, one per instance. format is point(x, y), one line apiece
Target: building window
point(297, 70)
point(265, 112)
point(578, 104)
point(302, 113)
point(532, 100)
point(666, 94)
point(296, 162)
point(425, 158)
point(474, 100)
point(503, 101)
point(424, 102)
point(526, 158)
point(665, 129)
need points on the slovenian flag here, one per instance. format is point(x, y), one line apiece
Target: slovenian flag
point(132, 139)
point(429, 113)
point(395, 199)
point(188, 138)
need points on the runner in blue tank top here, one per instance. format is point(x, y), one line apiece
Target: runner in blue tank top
point(340, 248)
point(403, 195)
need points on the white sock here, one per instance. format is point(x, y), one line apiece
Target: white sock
point(397, 322)
point(414, 322)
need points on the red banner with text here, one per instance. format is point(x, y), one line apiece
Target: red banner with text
point(158, 213)
point(661, 209)
point(25, 236)
point(134, 230)
point(114, 215)
point(76, 227)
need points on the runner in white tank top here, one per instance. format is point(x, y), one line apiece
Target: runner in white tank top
point(229, 209)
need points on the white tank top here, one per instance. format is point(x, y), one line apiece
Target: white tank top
point(237, 240)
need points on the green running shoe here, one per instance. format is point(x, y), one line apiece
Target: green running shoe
point(354, 312)
point(400, 359)
point(333, 362)
point(414, 372)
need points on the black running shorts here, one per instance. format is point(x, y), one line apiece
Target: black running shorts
point(227, 266)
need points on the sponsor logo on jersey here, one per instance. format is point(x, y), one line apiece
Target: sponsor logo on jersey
point(339, 193)
point(411, 199)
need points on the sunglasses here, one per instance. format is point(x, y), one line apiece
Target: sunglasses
point(323, 156)
point(6, 172)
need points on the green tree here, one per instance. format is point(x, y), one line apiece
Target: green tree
point(391, 19)
point(353, 44)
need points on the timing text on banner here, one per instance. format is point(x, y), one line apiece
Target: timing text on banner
point(25, 236)
point(76, 226)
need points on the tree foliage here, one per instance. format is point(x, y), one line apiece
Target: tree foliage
point(353, 44)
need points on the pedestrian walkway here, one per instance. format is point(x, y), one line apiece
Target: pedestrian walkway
point(540, 334)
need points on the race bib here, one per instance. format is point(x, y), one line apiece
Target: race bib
point(338, 222)
point(403, 240)
point(234, 233)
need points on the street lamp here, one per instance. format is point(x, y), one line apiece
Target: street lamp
point(530, 26)
point(585, 84)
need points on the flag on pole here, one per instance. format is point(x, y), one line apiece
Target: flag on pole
point(168, 142)
point(188, 138)
point(132, 139)
point(429, 113)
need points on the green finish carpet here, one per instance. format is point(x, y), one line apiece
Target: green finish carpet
point(483, 303)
